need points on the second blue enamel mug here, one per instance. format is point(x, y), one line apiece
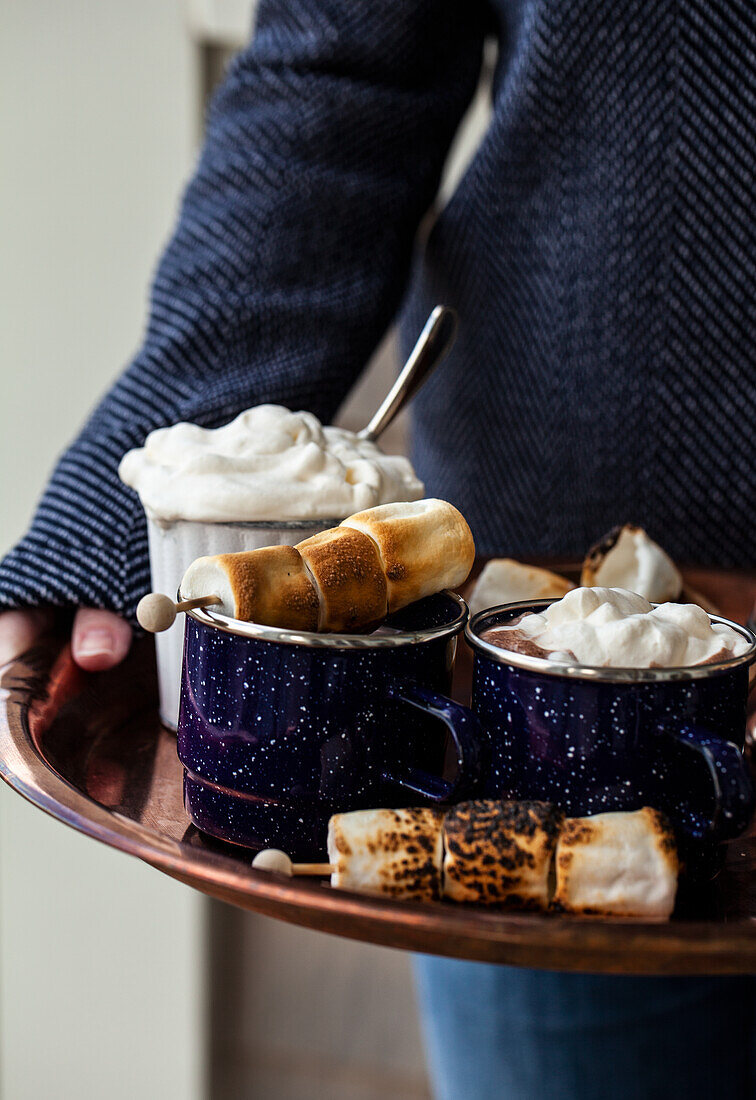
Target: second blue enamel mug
point(601, 739)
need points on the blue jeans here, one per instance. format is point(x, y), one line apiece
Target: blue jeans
point(500, 1033)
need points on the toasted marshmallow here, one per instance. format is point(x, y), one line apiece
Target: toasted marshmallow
point(270, 585)
point(504, 580)
point(618, 864)
point(425, 545)
point(628, 558)
point(397, 853)
point(500, 853)
point(346, 570)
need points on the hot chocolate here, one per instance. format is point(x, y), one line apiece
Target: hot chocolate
point(614, 628)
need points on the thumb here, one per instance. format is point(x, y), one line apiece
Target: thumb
point(99, 639)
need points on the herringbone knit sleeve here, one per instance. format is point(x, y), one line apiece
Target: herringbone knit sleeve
point(324, 149)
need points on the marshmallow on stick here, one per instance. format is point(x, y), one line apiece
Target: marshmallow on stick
point(397, 853)
point(425, 545)
point(271, 585)
point(498, 853)
point(502, 853)
point(343, 579)
point(620, 864)
point(348, 577)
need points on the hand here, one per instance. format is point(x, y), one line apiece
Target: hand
point(99, 639)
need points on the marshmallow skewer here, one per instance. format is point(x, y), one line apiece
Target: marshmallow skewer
point(345, 579)
point(522, 854)
point(156, 612)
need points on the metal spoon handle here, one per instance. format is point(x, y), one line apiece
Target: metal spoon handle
point(433, 343)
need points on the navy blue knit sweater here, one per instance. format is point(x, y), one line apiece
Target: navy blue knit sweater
point(600, 251)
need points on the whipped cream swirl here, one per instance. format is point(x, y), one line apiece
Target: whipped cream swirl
point(614, 628)
point(267, 464)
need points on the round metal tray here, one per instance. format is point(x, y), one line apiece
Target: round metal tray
point(90, 750)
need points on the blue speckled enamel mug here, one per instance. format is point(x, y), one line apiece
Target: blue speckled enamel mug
point(602, 739)
point(278, 729)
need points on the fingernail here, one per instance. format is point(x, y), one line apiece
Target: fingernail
point(94, 643)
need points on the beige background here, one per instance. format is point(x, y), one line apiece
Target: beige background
point(102, 961)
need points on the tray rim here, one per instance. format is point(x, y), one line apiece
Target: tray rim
point(521, 939)
point(557, 942)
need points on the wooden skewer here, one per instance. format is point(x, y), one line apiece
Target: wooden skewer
point(273, 859)
point(156, 612)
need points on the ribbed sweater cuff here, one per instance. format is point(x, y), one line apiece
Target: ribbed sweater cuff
point(43, 571)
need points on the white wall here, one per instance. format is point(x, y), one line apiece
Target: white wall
point(96, 132)
point(101, 958)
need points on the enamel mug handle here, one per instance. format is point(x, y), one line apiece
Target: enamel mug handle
point(731, 779)
point(464, 729)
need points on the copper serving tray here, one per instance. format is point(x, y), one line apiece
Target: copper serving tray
point(90, 751)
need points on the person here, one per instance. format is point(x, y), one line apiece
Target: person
point(600, 252)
